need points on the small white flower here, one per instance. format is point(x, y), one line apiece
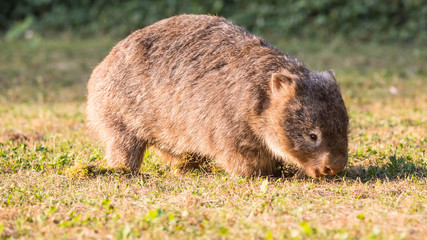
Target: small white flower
point(393, 90)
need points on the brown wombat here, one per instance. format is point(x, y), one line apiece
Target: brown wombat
point(201, 85)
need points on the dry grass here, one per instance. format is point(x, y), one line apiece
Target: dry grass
point(54, 183)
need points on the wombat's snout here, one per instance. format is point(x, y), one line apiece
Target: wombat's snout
point(328, 165)
point(332, 165)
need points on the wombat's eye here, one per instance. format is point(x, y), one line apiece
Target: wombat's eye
point(313, 137)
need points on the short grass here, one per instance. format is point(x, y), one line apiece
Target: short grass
point(54, 183)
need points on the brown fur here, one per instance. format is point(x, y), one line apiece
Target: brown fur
point(201, 85)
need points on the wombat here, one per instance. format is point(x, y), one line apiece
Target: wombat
point(201, 85)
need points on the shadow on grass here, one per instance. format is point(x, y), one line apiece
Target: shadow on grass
point(396, 168)
point(383, 172)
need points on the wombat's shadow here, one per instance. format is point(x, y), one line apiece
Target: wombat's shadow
point(204, 166)
point(351, 172)
point(199, 165)
point(381, 172)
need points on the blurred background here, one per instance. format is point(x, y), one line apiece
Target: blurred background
point(49, 47)
point(363, 20)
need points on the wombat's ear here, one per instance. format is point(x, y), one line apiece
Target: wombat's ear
point(281, 82)
point(331, 74)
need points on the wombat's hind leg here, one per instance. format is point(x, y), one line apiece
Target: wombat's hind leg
point(165, 156)
point(246, 166)
point(125, 153)
point(171, 160)
point(183, 163)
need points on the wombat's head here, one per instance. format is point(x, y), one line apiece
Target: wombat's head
point(310, 121)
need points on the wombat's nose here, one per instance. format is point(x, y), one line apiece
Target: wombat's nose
point(333, 169)
point(328, 171)
point(332, 165)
